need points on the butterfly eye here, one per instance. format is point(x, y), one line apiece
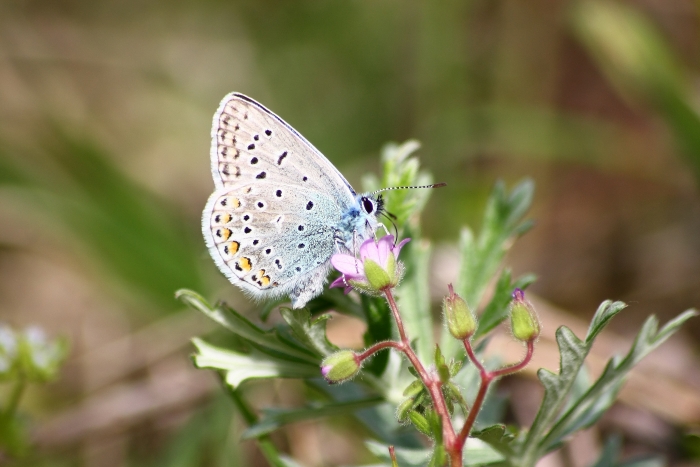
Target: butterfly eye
point(367, 205)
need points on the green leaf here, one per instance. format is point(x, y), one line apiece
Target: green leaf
point(611, 452)
point(413, 389)
point(238, 324)
point(497, 437)
point(552, 424)
point(603, 315)
point(311, 333)
point(589, 407)
point(501, 223)
point(399, 169)
point(379, 327)
point(413, 297)
point(273, 419)
point(420, 422)
point(239, 367)
point(481, 257)
point(476, 452)
point(497, 308)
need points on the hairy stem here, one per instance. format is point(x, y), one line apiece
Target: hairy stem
point(487, 377)
point(381, 346)
point(432, 383)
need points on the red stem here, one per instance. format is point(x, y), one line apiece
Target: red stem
point(434, 385)
point(454, 444)
point(380, 346)
point(487, 377)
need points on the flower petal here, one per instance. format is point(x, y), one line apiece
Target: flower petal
point(339, 282)
point(398, 247)
point(368, 249)
point(384, 249)
point(348, 265)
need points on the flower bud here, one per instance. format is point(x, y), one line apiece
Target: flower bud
point(340, 366)
point(378, 277)
point(459, 317)
point(403, 410)
point(523, 318)
point(376, 270)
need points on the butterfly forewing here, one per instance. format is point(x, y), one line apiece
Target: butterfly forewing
point(250, 142)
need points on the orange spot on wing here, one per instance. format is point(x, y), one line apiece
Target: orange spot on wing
point(245, 263)
point(233, 247)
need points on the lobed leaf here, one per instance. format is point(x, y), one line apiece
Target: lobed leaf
point(554, 422)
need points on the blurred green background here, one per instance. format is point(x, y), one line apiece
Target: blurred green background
point(105, 114)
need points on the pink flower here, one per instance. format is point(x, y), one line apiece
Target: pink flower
point(376, 269)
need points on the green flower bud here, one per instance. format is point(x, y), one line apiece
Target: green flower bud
point(377, 276)
point(340, 366)
point(523, 318)
point(414, 388)
point(403, 409)
point(420, 422)
point(459, 317)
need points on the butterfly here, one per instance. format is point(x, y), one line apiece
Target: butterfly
point(280, 209)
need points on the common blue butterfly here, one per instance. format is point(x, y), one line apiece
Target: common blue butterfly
point(280, 209)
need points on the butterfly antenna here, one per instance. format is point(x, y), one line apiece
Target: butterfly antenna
point(434, 185)
point(392, 218)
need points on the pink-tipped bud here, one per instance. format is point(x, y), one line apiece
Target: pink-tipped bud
point(340, 366)
point(458, 316)
point(523, 318)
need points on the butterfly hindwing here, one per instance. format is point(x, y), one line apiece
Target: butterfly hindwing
point(280, 208)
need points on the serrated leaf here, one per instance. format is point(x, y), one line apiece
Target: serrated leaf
point(239, 367)
point(589, 407)
point(572, 353)
point(551, 426)
point(238, 324)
